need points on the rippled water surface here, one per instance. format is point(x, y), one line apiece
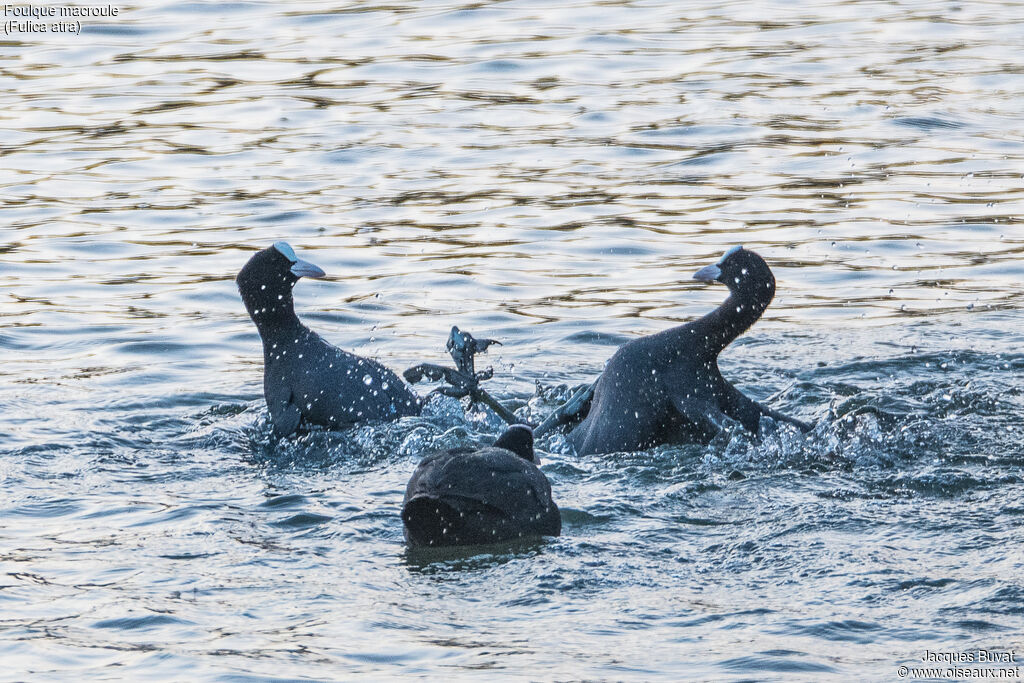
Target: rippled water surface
point(550, 175)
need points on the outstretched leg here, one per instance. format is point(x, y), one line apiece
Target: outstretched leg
point(704, 414)
point(565, 413)
point(459, 383)
point(799, 424)
point(463, 380)
point(749, 411)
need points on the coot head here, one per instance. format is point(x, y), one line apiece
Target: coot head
point(745, 274)
point(519, 440)
point(266, 281)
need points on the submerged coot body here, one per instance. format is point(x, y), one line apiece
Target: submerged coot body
point(304, 377)
point(470, 496)
point(666, 387)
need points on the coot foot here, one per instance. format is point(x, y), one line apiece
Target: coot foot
point(463, 380)
point(462, 346)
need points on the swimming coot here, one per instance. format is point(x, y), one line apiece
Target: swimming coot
point(666, 387)
point(468, 496)
point(304, 377)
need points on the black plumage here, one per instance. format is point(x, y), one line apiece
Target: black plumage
point(306, 379)
point(468, 496)
point(666, 387)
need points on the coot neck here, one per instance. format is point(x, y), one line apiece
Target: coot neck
point(275, 318)
point(720, 327)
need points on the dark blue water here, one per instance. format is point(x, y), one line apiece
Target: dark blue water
point(549, 176)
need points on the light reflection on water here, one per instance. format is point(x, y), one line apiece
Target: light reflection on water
point(549, 176)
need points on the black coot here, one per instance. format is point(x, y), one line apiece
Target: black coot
point(666, 387)
point(469, 496)
point(304, 377)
